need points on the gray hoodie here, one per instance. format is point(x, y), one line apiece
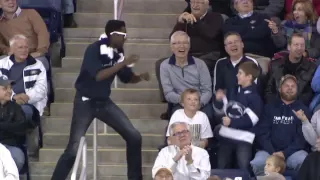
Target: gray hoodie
point(311, 131)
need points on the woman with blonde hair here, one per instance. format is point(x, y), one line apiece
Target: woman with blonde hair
point(302, 19)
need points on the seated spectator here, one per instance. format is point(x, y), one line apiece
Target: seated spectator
point(241, 115)
point(184, 160)
point(303, 20)
point(289, 5)
point(272, 176)
point(268, 7)
point(182, 71)
point(310, 168)
point(293, 63)
point(279, 131)
point(315, 85)
point(28, 22)
point(254, 30)
point(29, 74)
point(311, 131)
point(163, 174)
point(197, 120)
point(68, 9)
point(13, 124)
point(275, 166)
point(226, 69)
point(8, 168)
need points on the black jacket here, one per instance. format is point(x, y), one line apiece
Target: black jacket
point(304, 74)
point(13, 124)
point(310, 168)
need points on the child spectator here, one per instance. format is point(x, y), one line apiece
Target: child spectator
point(163, 174)
point(274, 164)
point(242, 114)
point(197, 120)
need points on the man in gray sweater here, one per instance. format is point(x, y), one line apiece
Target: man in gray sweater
point(181, 71)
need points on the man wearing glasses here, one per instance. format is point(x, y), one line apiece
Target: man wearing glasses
point(102, 61)
point(184, 160)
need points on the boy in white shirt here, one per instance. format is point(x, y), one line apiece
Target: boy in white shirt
point(8, 168)
point(198, 121)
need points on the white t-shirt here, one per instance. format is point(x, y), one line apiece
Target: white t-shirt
point(199, 118)
point(8, 168)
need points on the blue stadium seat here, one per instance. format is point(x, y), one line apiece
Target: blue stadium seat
point(231, 173)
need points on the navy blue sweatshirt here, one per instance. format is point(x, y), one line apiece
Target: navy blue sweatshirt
point(255, 33)
point(93, 62)
point(280, 130)
point(248, 108)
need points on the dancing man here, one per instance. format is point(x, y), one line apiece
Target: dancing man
point(103, 60)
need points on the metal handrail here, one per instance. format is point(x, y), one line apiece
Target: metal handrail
point(82, 149)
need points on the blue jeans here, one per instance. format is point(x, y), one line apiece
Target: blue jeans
point(226, 152)
point(293, 162)
point(28, 111)
point(83, 114)
point(17, 155)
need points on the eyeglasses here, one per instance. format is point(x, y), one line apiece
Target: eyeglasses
point(119, 33)
point(181, 133)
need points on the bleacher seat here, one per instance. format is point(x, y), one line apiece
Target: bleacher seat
point(231, 173)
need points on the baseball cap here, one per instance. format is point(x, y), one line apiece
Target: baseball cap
point(4, 81)
point(288, 76)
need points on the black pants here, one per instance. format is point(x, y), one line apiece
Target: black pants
point(108, 112)
point(226, 152)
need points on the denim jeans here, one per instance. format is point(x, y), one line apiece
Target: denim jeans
point(293, 162)
point(83, 114)
point(28, 111)
point(226, 152)
point(17, 155)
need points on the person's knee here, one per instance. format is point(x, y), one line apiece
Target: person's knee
point(18, 157)
point(296, 161)
point(135, 138)
point(28, 111)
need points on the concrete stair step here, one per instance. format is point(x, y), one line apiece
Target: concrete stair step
point(73, 64)
point(133, 111)
point(133, 20)
point(145, 50)
point(67, 80)
point(144, 126)
point(132, 33)
point(60, 140)
point(43, 168)
point(132, 6)
point(110, 155)
point(118, 95)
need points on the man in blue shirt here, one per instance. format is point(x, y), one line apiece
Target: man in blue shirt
point(103, 60)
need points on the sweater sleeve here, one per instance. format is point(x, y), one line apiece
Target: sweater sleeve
point(164, 160)
point(205, 83)
point(280, 38)
point(309, 131)
point(218, 82)
point(251, 114)
point(168, 90)
point(263, 131)
point(41, 30)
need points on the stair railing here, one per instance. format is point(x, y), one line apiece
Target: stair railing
point(82, 150)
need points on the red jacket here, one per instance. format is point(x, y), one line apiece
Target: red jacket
point(288, 6)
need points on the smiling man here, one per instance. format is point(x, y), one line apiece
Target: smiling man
point(181, 71)
point(295, 64)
